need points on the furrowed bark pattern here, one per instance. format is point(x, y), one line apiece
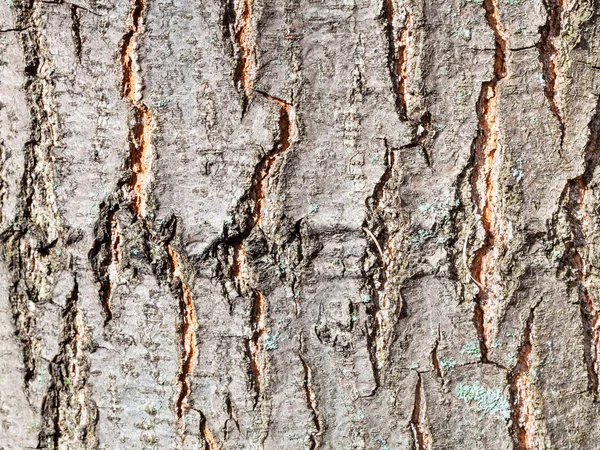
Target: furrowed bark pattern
point(387, 303)
point(380, 224)
point(486, 192)
point(257, 280)
point(32, 245)
point(234, 268)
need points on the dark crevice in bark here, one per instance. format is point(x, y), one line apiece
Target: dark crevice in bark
point(105, 256)
point(435, 362)
point(311, 401)
point(32, 243)
point(579, 221)
point(485, 162)
point(230, 249)
point(256, 349)
point(232, 416)
point(522, 394)
point(396, 57)
point(187, 333)
point(76, 31)
point(376, 278)
point(233, 264)
point(210, 443)
point(418, 419)
point(140, 133)
point(238, 27)
point(549, 54)
point(67, 417)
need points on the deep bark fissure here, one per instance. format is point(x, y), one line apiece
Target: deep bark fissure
point(68, 389)
point(549, 52)
point(378, 337)
point(239, 27)
point(210, 443)
point(76, 30)
point(486, 162)
point(311, 401)
point(418, 419)
point(140, 133)
point(32, 243)
point(105, 256)
point(578, 220)
point(187, 335)
point(523, 395)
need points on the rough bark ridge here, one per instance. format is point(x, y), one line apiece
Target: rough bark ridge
point(250, 224)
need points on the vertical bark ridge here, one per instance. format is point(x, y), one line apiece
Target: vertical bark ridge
point(527, 431)
point(418, 419)
point(32, 244)
point(486, 191)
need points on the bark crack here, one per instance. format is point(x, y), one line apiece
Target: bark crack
point(580, 222)
point(400, 52)
point(68, 413)
point(486, 190)
point(418, 419)
point(311, 401)
point(241, 28)
point(32, 245)
point(526, 429)
point(187, 336)
point(549, 53)
point(141, 154)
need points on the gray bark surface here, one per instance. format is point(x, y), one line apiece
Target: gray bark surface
point(299, 224)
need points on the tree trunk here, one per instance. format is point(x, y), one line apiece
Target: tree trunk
point(299, 224)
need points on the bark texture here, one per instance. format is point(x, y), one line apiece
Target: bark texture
point(300, 224)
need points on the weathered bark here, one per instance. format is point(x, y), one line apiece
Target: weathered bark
point(260, 224)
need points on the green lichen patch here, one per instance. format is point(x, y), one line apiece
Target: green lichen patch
point(488, 401)
point(472, 349)
point(447, 363)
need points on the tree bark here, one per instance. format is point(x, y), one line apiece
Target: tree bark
point(299, 224)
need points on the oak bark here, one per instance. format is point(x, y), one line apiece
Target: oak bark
point(299, 224)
